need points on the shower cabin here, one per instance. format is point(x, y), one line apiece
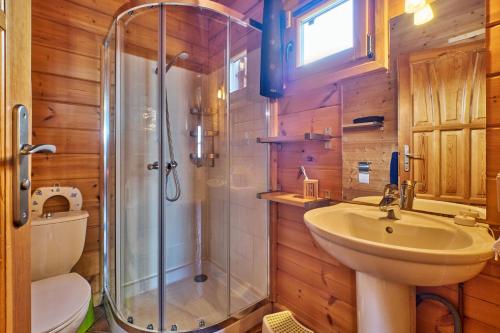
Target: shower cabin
point(186, 240)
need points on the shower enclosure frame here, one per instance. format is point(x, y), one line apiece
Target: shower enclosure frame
point(232, 16)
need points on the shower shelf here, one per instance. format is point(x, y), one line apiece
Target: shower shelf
point(204, 112)
point(206, 133)
point(294, 199)
point(295, 138)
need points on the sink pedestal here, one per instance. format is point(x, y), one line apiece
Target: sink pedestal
point(384, 306)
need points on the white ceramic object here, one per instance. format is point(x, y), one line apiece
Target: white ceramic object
point(432, 206)
point(60, 299)
point(391, 257)
point(57, 243)
point(59, 304)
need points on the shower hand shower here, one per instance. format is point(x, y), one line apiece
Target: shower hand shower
point(172, 165)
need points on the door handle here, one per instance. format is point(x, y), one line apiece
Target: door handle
point(407, 156)
point(22, 151)
point(28, 149)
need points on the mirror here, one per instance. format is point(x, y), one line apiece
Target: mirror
point(433, 100)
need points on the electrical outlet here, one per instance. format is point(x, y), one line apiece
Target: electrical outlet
point(327, 194)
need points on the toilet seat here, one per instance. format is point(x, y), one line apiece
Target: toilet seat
point(42, 194)
point(59, 304)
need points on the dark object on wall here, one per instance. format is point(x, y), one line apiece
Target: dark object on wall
point(368, 119)
point(394, 168)
point(271, 68)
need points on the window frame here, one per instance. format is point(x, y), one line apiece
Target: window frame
point(364, 25)
point(241, 55)
point(313, 14)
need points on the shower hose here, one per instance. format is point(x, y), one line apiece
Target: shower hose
point(172, 165)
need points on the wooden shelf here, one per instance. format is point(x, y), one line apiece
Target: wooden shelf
point(294, 199)
point(295, 138)
point(371, 124)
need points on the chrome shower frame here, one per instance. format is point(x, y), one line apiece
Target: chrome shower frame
point(128, 9)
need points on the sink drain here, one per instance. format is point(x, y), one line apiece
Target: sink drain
point(389, 230)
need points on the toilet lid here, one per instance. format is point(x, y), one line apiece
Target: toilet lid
point(57, 300)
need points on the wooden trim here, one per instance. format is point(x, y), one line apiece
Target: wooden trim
point(17, 91)
point(3, 24)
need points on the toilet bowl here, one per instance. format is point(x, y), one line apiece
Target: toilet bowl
point(59, 299)
point(59, 303)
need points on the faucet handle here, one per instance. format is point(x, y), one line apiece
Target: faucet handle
point(391, 189)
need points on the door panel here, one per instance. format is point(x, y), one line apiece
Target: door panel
point(452, 164)
point(423, 172)
point(15, 88)
point(478, 164)
point(442, 114)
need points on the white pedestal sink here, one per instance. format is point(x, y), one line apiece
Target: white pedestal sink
point(391, 257)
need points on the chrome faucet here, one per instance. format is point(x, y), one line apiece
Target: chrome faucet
point(407, 194)
point(390, 202)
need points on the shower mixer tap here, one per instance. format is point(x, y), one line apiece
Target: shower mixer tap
point(154, 166)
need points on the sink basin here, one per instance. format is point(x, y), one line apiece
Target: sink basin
point(391, 257)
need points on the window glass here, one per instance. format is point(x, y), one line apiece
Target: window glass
point(238, 72)
point(327, 31)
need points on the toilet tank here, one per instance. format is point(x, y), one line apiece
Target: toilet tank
point(57, 243)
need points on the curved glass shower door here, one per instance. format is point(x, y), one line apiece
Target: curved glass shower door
point(186, 238)
point(196, 291)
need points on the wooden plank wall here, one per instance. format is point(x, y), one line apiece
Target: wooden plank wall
point(314, 285)
point(376, 94)
point(67, 37)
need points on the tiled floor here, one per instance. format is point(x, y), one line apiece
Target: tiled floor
point(101, 323)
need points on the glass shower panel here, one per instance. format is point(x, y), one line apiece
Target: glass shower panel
point(249, 171)
point(196, 236)
point(138, 155)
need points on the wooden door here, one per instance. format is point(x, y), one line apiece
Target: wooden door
point(442, 120)
point(15, 88)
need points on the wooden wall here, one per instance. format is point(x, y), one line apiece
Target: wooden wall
point(67, 36)
point(66, 61)
point(315, 286)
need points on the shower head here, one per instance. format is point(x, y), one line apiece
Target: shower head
point(181, 55)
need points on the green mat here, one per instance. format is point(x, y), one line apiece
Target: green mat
point(89, 319)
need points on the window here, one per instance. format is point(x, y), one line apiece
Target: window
point(238, 72)
point(328, 40)
point(326, 31)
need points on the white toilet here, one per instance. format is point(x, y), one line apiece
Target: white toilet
point(59, 299)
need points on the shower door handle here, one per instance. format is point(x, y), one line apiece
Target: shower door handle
point(22, 150)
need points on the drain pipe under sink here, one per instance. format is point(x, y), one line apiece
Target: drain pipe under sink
point(457, 316)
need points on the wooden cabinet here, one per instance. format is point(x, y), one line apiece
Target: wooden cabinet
point(442, 117)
